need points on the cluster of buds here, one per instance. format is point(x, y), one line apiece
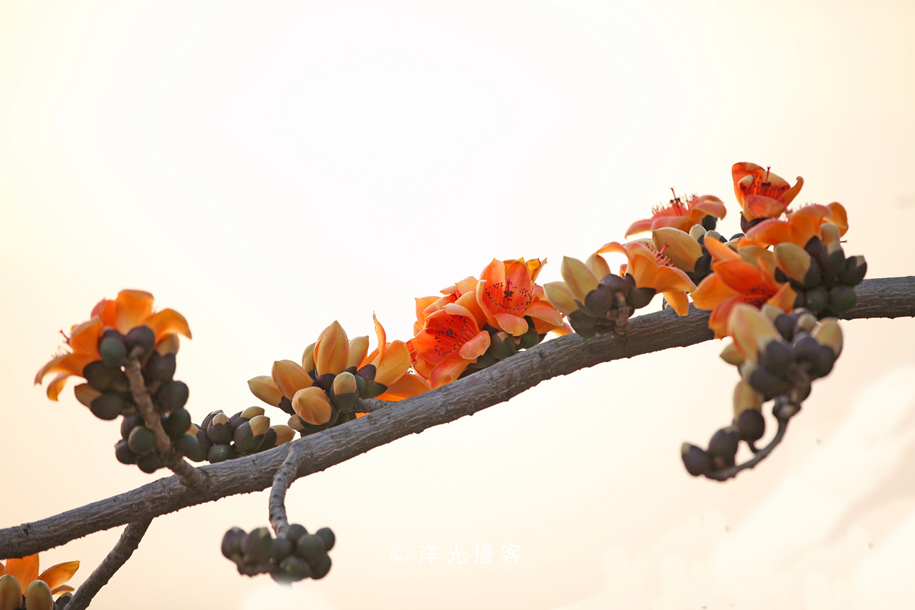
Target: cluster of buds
point(37, 597)
point(595, 306)
point(702, 259)
point(502, 345)
point(778, 356)
point(292, 556)
point(822, 276)
point(220, 437)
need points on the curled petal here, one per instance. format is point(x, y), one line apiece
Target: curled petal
point(560, 297)
point(392, 364)
point(168, 321)
point(407, 386)
point(678, 246)
point(57, 575)
point(447, 371)
point(133, 307)
point(264, 388)
point(513, 325)
point(678, 301)
point(25, 570)
point(719, 251)
point(476, 347)
point(543, 310)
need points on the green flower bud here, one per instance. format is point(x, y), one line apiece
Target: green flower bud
point(112, 350)
point(173, 395)
point(220, 453)
point(816, 299)
point(295, 531)
point(294, 569)
point(177, 423)
point(321, 567)
point(310, 548)
point(326, 535)
point(140, 340)
point(373, 389)
point(10, 593)
point(842, 298)
point(219, 430)
point(101, 377)
point(281, 549)
point(141, 440)
point(123, 453)
point(751, 425)
point(231, 543)
point(345, 390)
point(150, 462)
point(38, 596)
point(855, 270)
point(159, 367)
point(107, 406)
point(257, 546)
point(502, 345)
point(187, 445)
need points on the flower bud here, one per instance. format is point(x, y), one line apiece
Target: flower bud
point(640, 297)
point(231, 543)
point(326, 535)
point(599, 301)
point(107, 406)
point(177, 423)
point(38, 596)
point(123, 453)
point(816, 299)
point(321, 567)
point(140, 341)
point(723, 446)
point(219, 430)
point(745, 397)
point(345, 391)
point(696, 460)
point(560, 297)
point(296, 423)
point(579, 278)
point(751, 330)
point(160, 367)
point(308, 358)
point(257, 546)
point(85, 394)
point(282, 548)
point(150, 462)
point(751, 425)
point(797, 264)
point(830, 233)
point(502, 345)
point(697, 231)
point(331, 350)
point(220, 453)
point(263, 387)
point(805, 321)
point(141, 440)
point(732, 355)
point(835, 262)
point(358, 348)
point(312, 405)
point(289, 377)
point(294, 569)
point(310, 548)
point(112, 348)
point(173, 395)
point(284, 434)
point(828, 332)
point(187, 445)
point(10, 593)
point(855, 270)
point(842, 298)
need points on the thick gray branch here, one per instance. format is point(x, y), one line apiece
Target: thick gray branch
point(881, 298)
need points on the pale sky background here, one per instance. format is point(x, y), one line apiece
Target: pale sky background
point(266, 168)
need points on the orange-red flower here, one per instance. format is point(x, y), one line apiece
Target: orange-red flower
point(131, 308)
point(735, 280)
point(802, 224)
point(25, 570)
point(651, 269)
point(392, 362)
point(680, 215)
point(449, 341)
point(426, 306)
point(506, 293)
point(761, 193)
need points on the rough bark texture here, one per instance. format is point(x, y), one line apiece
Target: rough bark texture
point(879, 298)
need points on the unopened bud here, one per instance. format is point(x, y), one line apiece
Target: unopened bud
point(745, 397)
point(732, 355)
point(312, 405)
point(345, 391)
point(231, 543)
point(828, 332)
point(219, 430)
point(308, 358)
point(85, 394)
point(560, 297)
point(257, 546)
point(751, 425)
point(289, 377)
point(358, 348)
point(284, 434)
point(579, 278)
point(855, 270)
point(10, 593)
point(38, 596)
point(696, 460)
point(263, 387)
point(797, 264)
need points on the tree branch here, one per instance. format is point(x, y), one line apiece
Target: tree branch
point(880, 298)
point(123, 549)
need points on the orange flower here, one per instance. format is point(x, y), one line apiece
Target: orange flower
point(426, 306)
point(651, 269)
point(392, 362)
point(735, 280)
point(449, 342)
point(802, 224)
point(506, 293)
point(131, 309)
point(25, 571)
point(680, 215)
point(761, 193)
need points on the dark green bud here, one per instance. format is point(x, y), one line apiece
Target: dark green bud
point(502, 345)
point(123, 453)
point(220, 431)
point(835, 264)
point(113, 351)
point(203, 440)
point(282, 548)
point(257, 546)
point(187, 445)
point(206, 420)
point(107, 406)
point(326, 535)
point(150, 462)
point(295, 531)
point(321, 567)
point(310, 548)
point(129, 423)
point(373, 389)
point(220, 453)
point(842, 298)
point(855, 270)
point(530, 338)
point(777, 357)
point(816, 299)
point(231, 543)
point(178, 423)
point(817, 249)
point(141, 340)
point(173, 395)
point(294, 569)
point(141, 440)
point(101, 377)
point(159, 367)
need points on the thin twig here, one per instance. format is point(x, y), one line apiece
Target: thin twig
point(882, 298)
point(189, 476)
point(283, 478)
point(126, 545)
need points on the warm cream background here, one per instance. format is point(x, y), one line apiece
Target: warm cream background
point(266, 168)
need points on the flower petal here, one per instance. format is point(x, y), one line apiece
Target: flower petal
point(168, 321)
point(711, 292)
point(57, 575)
point(511, 324)
point(678, 301)
point(133, 307)
point(447, 371)
point(407, 386)
point(476, 347)
point(24, 569)
point(392, 364)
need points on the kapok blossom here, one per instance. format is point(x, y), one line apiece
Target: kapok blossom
point(761, 193)
point(735, 280)
point(802, 225)
point(680, 215)
point(506, 294)
point(25, 571)
point(131, 309)
point(449, 342)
